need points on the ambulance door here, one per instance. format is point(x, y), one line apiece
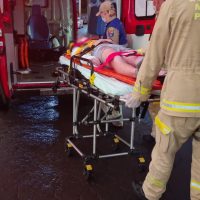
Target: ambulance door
point(6, 52)
point(138, 17)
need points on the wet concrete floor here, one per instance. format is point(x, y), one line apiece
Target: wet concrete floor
point(34, 166)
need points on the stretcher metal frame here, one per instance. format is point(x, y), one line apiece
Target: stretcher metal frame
point(80, 85)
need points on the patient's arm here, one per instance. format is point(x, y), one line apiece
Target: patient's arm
point(102, 40)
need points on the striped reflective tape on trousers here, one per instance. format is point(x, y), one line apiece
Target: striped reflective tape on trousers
point(180, 107)
point(162, 126)
point(142, 90)
point(195, 185)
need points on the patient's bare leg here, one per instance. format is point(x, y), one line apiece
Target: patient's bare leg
point(119, 64)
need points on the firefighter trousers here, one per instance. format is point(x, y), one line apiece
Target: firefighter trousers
point(171, 133)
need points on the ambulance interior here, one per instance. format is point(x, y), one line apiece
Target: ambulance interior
point(36, 34)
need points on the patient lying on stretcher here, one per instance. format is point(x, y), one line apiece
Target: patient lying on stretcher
point(126, 64)
point(124, 61)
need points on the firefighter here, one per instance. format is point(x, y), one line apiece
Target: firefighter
point(175, 43)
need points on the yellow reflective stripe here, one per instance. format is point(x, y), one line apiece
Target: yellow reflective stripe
point(155, 181)
point(92, 78)
point(179, 106)
point(195, 185)
point(89, 167)
point(141, 89)
point(163, 127)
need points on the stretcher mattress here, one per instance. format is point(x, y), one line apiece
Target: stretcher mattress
point(108, 84)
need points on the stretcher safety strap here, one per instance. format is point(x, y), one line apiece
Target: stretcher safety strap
point(80, 46)
point(120, 53)
point(180, 107)
point(83, 47)
point(155, 181)
point(163, 127)
point(195, 185)
point(92, 78)
point(142, 90)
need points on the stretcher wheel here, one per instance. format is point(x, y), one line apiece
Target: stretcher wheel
point(68, 149)
point(116, 144)
point(87, 172)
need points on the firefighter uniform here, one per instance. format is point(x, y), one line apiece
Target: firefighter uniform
point(175, 43)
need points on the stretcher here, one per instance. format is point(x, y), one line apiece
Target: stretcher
point(105, 87)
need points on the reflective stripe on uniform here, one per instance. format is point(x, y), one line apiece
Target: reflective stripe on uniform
point(152, 180)
point(163, 127)
point(195, 185)
point(142, 90)
point(180, 107)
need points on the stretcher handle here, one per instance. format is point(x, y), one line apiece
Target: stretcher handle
point(79, 58)
point(148, 101)
point(142, 110)
point(86, 50)
point(76, 57)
